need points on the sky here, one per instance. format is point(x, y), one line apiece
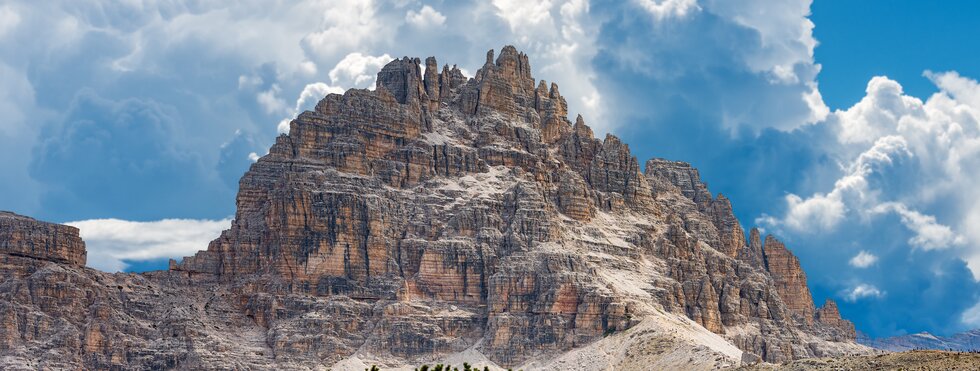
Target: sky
point(849, 129)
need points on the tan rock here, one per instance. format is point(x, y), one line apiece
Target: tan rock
point(788, 278)
point(25, 237)
point(436, 214)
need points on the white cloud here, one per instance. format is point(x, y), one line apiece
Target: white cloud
point(818, 110)
point(823, 212)
point(971, 316)
point(683, 48)
point(311, 94)
point(929, 234)
point(906, 157)
point(661, 9)
point(424, 18)
point(357, 70)
point(559, 38)
point(972, 233)
point(786, 34)
point(521, 14)
point(817, 213)
point(248, 82)
point(9, 19)
point(307, 68)
point(270, 100)
point(862, 291)
point(348, 24)
point(878, 113)
point(111, 241)
point(863, 259)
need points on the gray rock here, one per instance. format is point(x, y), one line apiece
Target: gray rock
point(430, 216)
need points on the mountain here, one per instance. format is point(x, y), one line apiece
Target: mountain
point(968, 341)
point(438, 217)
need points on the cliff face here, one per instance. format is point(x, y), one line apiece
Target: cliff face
point(25, 237)
point(439, 214)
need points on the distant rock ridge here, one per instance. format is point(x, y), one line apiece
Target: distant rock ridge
point(967, 341)
point(438, 215)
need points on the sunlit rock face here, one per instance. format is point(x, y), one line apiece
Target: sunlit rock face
point(434, 215)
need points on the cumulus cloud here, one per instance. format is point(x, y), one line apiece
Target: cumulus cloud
point(909, 160)
point(270, 100)
point(524, 13)
point(661, 9)
point(112, 242)
point(863, 259)
point(929, 234)
point(348, 24)
point(357, 70)
point(310, 95)
point(822, 212)
point(307, 68)
point(679, 50)
point(9, 19)
point(425, 17)
point(862, 291)
point(817, 213)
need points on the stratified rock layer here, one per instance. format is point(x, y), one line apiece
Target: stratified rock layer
point(434, 215)
point(26, 237)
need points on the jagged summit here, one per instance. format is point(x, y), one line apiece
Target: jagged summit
point(440, 214)
point(438, 187)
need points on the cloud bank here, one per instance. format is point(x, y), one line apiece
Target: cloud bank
point(112, 242)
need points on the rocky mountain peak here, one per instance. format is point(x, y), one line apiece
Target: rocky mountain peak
point(403, 79)
point(829, 315)
point(377, 198)
point(439, 214)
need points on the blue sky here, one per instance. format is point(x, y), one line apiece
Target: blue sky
point(849, 129)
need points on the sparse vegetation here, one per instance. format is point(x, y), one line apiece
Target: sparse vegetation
point(444, 367)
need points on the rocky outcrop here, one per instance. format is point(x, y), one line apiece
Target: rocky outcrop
point(434, 215)
point(788, 277)
point(842, 329)
point(21, 236)
point(687, 179)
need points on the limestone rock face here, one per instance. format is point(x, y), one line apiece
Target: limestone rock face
point(788, 277)
point(434, 215)
point(687, 179)
point(26, 237)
